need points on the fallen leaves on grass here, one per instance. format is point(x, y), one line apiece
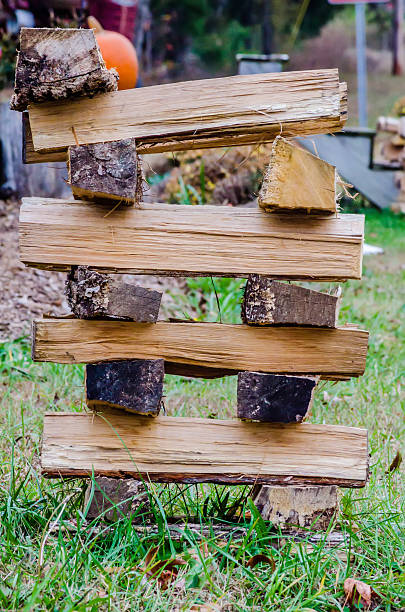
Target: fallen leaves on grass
point(164, 571)
point(358, 592)
point(260, 558)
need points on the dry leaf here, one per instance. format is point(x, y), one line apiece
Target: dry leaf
point(253, 561)
point(164, 571)
point(358, 592)
point(395, 463)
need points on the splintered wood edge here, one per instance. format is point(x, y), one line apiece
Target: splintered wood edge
point(186, 142)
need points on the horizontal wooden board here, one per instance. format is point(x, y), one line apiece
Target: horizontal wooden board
point(220, 112)
point(177, 449)
point(281, 350)
point(189, 240)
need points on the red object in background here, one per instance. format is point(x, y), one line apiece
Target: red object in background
point(116, 16)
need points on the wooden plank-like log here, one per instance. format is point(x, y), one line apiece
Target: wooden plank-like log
point(295, 350)
point(212, 112)
point(30, 156)
point(55, 64)
point(274, 398)
point(176, 449)
point(106, 170)
point(297, 180)
point(268, 302)
point(134, 384)
point(91, 295)
point(189, 240)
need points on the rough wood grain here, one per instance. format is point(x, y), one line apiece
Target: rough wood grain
point(295, 350)
point(134, 384)
point(106, 170)
point(189, 240)
point(297, 506)
point(202, 450)
point(91, 295)
point(213, 112)
point(297, 180)
point(55, 64)
point(273, 398)
point(268, 302)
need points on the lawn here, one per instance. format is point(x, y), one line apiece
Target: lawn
point(45, 564)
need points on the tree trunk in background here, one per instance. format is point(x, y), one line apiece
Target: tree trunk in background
point(266, 28)
point(19, 179)
point(142, 35)
point(397, 65)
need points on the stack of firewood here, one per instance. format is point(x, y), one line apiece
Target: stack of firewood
point(289, 338)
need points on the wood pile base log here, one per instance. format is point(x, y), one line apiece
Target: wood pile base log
point(113, 498)
point(273, 398)
point(191, 450)
point(94, 296)
point(269, 302)
point(297, 507)
point(106, 171)
point(135, 385)
point(56, 64)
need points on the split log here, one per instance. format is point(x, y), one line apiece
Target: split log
point(272, 398)
point(297, 506)
point(113, 498)
point(56, 64)
point(135, 385)
point(106, 170)
point(268, 302)
point(178, 449)
point(92, 295)
point(189, 240)
point(197, 114)
point(281, 350)
point(297, 180)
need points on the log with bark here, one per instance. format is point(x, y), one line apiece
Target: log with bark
point(58, 64)
point(274, 398)
point(106, 171)
point(189, 240)
point(268, 302)
point(95, 296)
point(209, 113)
point(177, 449)
point(134, 384)
point(296, 180)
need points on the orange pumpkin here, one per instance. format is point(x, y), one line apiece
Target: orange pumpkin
point(118, 52)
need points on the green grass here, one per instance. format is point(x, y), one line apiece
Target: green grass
point(102, 567)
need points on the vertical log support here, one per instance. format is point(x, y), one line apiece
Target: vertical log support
point(134, 385)
point(285, 399)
